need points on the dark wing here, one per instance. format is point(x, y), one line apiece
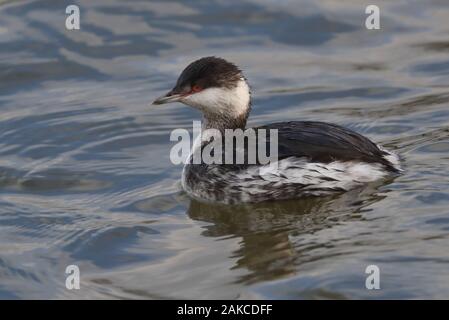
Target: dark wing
point(325, 142)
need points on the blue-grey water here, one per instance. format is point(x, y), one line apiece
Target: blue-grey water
point(85, 175)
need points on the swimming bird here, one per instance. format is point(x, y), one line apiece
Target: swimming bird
point(313, 158)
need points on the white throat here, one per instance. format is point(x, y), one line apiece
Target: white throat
point(222, 102)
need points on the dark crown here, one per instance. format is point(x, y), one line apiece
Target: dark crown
point(210, 72)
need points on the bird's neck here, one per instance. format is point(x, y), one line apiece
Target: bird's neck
point(231, 109)
point(223, 122)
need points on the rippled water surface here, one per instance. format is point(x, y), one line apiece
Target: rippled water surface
point(85, 176)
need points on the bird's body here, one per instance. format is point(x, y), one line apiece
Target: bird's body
point(313, 158)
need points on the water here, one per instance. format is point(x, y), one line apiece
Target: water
point(85, 176)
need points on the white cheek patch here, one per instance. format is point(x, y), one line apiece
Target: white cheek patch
point(233, 102)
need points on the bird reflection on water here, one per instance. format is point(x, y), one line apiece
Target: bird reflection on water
point(271, 232)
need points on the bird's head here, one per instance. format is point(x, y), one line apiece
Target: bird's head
point(214, 86)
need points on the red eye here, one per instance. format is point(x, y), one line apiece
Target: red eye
point(196, 88)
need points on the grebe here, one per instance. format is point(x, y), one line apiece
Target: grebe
point(314, 158)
